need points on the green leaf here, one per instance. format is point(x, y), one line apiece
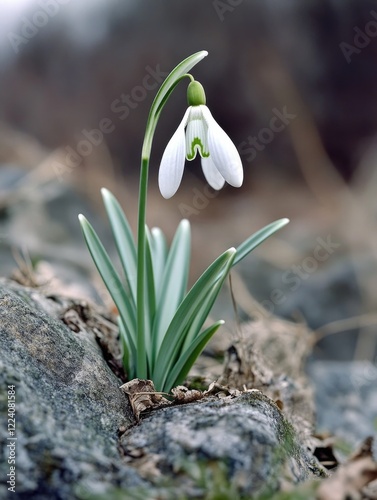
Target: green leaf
point(150, 294)
point(174, 282)
point(110, 277)
point(159, 255)
point(257, 238)
point(149, 298)
point(126, 343)
point(174, 337)
point(202, 313)
point(182, 367)
point(123, 239)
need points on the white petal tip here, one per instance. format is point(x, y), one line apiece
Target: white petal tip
point(235, 180)
point(166, 195)
point(167, 190)
point(237, 184)
point(173, 161)
point(168, 182)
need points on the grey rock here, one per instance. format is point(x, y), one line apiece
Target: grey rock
point(69, 411)
point(337, 293)
point(335, 286)
point(68, 403)
point(39, 217)
point(346, 399)
point(248, 433)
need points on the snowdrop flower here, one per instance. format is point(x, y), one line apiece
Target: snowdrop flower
point(199, 132)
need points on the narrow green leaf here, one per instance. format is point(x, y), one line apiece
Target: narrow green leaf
point(159, 255)
point(191, 334)
point(150, 292)
point(174, 336)
point(109, 276)
point(200, 316)
point(123, 239)
point(149, 298)
point(174, 282)
point(126, 348)
point(257, 238)
point(180, 370)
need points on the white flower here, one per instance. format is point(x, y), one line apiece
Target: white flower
point(219, 156)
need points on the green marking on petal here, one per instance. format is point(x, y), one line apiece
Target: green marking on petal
point(196, 145)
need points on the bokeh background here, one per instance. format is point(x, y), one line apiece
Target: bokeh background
point(293, 83)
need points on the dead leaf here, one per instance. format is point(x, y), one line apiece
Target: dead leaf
point(184, 395)
point(349, 479)
point(142, 396)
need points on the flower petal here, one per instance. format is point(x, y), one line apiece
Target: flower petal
point(223, 152)
point(212, 175)
point(196, 134)
point(173, 161)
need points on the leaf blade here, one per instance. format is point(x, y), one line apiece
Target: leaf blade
point(186, 361)
point(257, 238)
point(174, 281)
point(129, 352)
point(159, 256)
point(109, 275)
point(149, 300)
point(174, 337)
point(123, 237)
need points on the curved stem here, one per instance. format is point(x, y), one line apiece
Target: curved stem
point(162, 96)
point(154, 117)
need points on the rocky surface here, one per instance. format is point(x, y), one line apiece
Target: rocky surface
point(68, 403)
point(248, 433)
point(69, 410)
point(346, 399)
point(38, 221)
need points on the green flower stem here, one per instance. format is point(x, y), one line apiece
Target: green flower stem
point(171, 81)
point(141, 245)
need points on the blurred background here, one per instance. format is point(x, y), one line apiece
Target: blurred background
point(293, 84)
